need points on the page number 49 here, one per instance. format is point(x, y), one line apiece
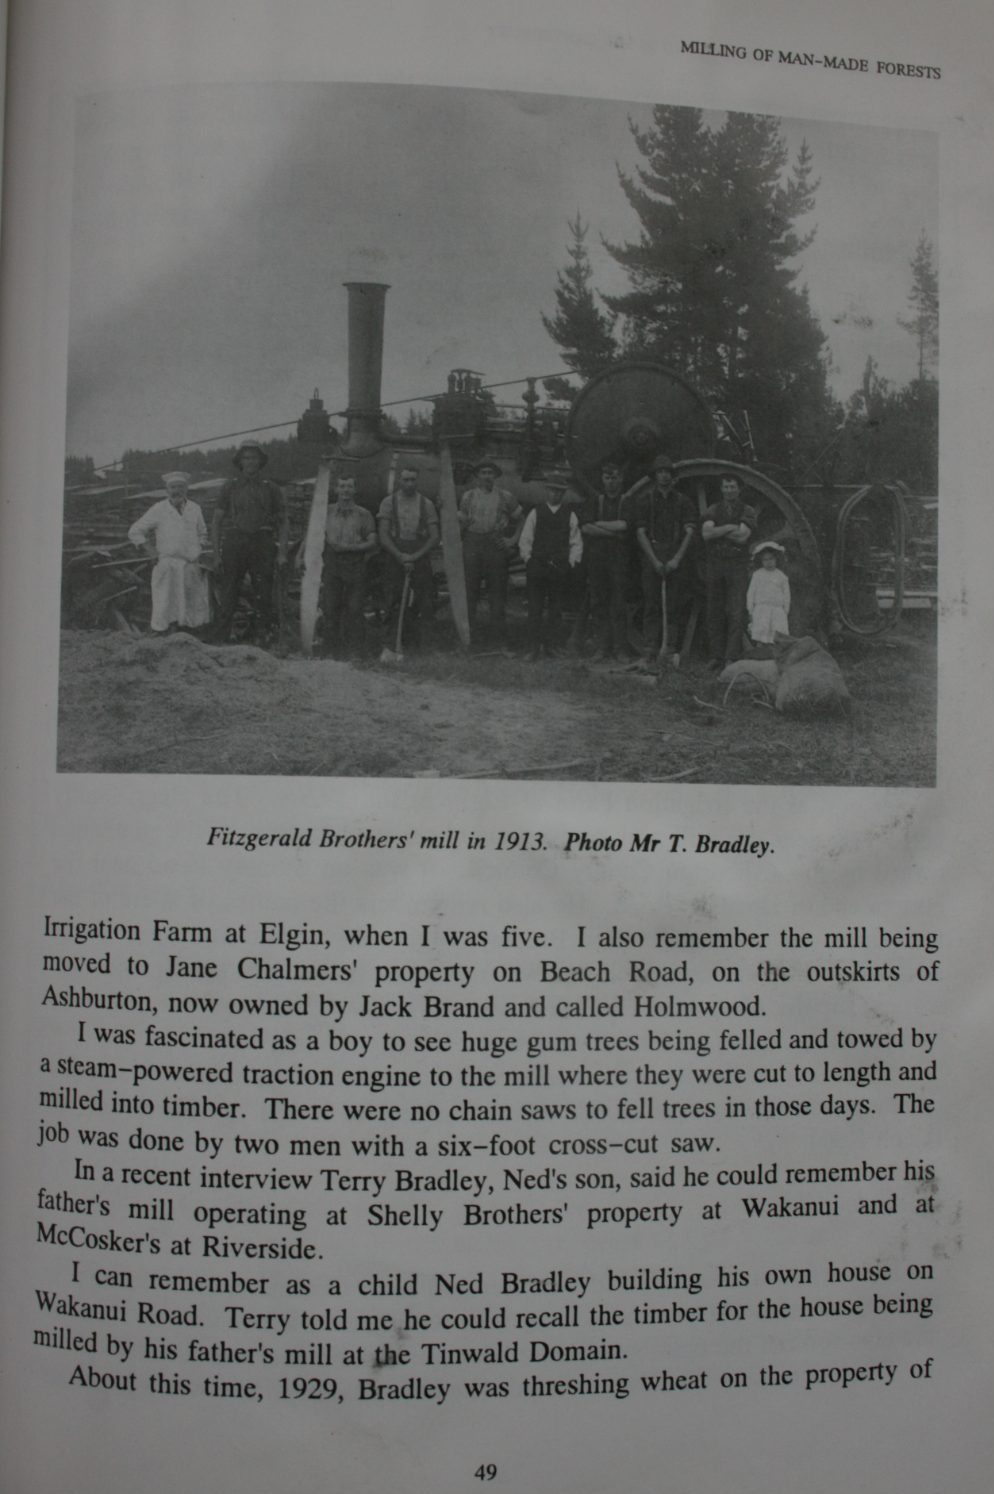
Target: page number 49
point(486, 1472)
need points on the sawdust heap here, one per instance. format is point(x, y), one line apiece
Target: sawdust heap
point(125, 699)
point(176, 705)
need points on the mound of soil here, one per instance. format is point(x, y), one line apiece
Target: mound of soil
point(176, 705)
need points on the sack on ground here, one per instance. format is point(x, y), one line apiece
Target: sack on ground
point(747, 673)
point(811, 683)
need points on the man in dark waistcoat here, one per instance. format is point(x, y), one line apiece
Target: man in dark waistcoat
point(550, 544)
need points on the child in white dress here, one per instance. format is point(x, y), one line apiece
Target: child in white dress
point(768, 597)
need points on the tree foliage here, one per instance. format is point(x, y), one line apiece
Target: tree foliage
point(580, 328)
point(289, 461)
point(79, 470)
point(713, 271)
point(418, 423)
point(892, 432)
point(923, 300)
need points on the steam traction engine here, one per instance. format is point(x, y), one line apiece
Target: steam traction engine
point(844, 548)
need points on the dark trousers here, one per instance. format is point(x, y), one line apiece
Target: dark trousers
point(344, 594)
point(727, 582)
point(544, 587)
point(485, 562)
point(678, 600)
point(254, 555)
point(607, 581)
point(421, 600)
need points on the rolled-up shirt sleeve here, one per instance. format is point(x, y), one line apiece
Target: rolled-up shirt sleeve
point(575, 540)
point(527, 537)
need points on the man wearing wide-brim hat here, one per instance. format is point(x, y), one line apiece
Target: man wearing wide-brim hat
point(491, 520)
point(250, 538)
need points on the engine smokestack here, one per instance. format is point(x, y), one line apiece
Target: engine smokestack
point(366, 311)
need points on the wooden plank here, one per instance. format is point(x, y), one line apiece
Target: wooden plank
point(310, 586)
point(914, 601)
point(455, 574)
point(688, 637)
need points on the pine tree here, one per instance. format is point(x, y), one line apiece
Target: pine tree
point(892, 432)
point(417, 423)
point(672, 267)
point(923, 299)
point(583, 332)
point(713, 270)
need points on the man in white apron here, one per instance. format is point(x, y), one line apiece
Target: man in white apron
point(174, 532)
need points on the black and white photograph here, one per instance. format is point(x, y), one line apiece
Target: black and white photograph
point(419, 432)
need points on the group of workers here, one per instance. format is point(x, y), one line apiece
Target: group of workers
point(250, 536)
point(613, 547)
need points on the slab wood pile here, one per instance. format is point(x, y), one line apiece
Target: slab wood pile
point(105, 579)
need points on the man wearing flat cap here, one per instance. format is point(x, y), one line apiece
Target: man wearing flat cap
point(349, 541)
point(726, 529)
point(665, 526)
point(551, 545)
point(174, 532)
point(605, 531)
point(491, 521)
point(250, 537)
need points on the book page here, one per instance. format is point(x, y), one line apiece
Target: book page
point(3, 77)
point(494, 985)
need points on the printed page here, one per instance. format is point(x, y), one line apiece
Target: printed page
point(3, 76)
point(494, 749)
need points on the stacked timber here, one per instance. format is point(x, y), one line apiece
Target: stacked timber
point(105, 578)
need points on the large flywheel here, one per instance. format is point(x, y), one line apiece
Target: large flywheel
point(629, 414)
point(633, 412)
point(780, 518)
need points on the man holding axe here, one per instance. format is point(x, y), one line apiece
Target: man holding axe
point(665, 525)
point(605, 546)
point(408, 530)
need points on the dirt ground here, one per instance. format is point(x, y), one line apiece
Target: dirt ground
point(177, 705)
